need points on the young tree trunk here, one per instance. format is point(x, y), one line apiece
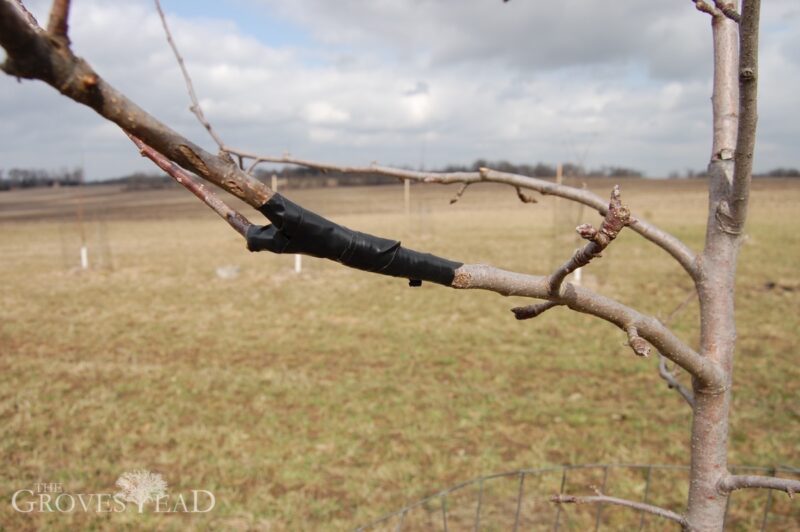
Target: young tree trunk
point(734, 117)
point(709, 441)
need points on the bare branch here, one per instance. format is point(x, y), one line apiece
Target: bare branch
point(32, 55)
point(748, 113)
point(672, 381)
point(480, 276)
point(236, 220)
point(57, 25)
point(195, 107)
point(531, 311)
point(728, 9)
point(604, 499)
point(617, 216)
point(737, 482)
point(677, 249)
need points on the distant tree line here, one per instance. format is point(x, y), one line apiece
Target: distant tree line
point(292, 177)
point(32, 178)
point(702, 174)
point(308, 177)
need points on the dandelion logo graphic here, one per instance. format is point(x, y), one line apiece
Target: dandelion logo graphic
point(141, 486)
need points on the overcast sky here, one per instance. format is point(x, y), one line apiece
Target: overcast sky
point(411, 82)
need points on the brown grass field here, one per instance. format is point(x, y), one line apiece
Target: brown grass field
point(323, 400)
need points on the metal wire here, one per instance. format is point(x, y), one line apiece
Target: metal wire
point(526, 477)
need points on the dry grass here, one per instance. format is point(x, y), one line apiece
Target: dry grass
point(324, 400)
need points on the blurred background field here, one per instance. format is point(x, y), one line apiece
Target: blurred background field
point(325, 399)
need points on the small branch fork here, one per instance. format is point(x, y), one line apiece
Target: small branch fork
point(719, 9)
point(604, 499)
point(617, 217)
point(737, 482)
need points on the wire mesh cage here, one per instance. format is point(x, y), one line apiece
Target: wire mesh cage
point(521, 500)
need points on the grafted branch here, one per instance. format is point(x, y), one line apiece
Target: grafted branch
point(605, 499)
point(737, 482)
point(30, 54)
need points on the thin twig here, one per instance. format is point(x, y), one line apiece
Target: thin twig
point(57, 25)
point(617, 217)
point(233, 217)
point(195, 108)
point(525, 198)
point(663, 370)
point(678, 309)
point(458, 195)
point(672, 381)
point(531, 311)
point(738, 482)
point(604, 499)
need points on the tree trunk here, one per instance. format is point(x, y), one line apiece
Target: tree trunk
point(715, 287)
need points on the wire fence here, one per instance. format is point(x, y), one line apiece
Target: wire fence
point(520, 500)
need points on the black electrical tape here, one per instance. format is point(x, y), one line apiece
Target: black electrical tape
point(297, 230)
